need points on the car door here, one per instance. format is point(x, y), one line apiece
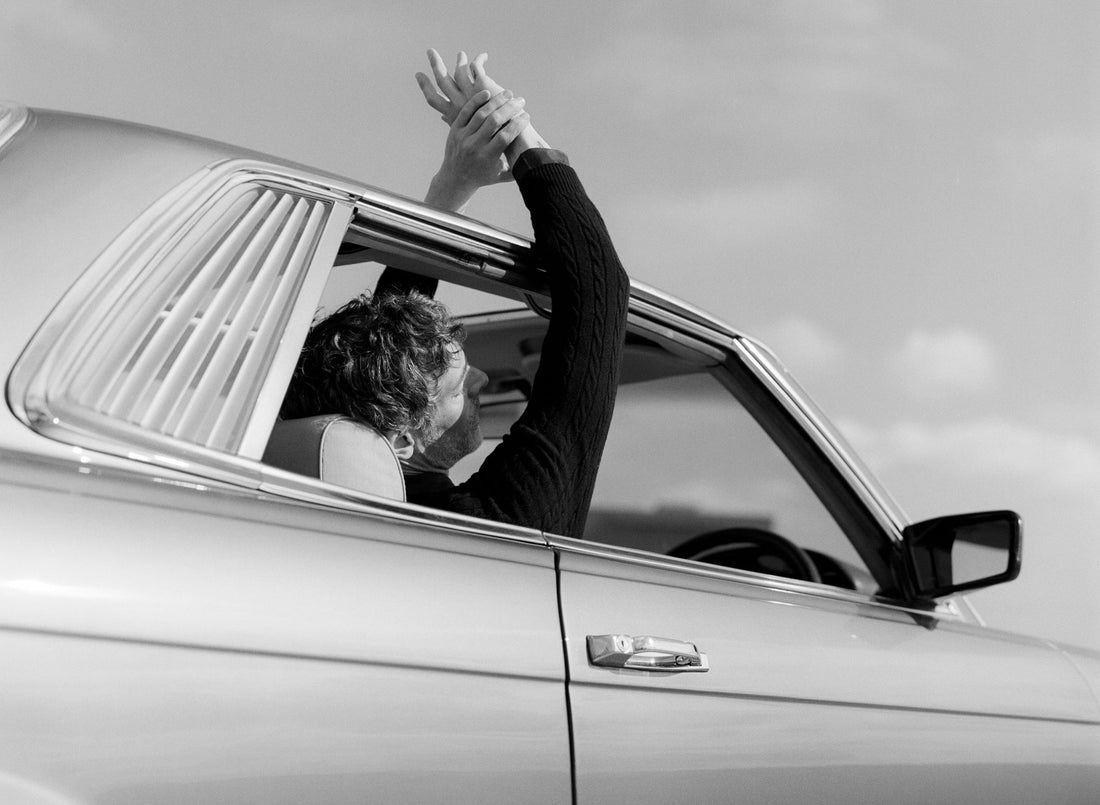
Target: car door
point(162, 641)
point(766, 688)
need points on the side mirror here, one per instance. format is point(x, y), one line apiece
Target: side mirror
point(960, 552)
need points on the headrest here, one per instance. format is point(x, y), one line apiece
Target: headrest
point(338, 450)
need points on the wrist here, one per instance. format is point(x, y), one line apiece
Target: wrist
point(448, 193)
point(526, 139)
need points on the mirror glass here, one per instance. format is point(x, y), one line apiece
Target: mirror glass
point(981, 550)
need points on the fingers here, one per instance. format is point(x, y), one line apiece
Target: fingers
point(444, 81)
point(480, 77)
point(435, 61)
point(462, 75)
point(435, 100)
point(509, 131)
point(470, 107)
point(493, 115)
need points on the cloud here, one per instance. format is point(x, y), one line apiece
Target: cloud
point(727, 217)
point(800, 71)
point(1049, 161)
point(984, 453)
point(941, 365)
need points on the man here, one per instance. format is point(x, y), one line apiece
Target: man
point(395, 360)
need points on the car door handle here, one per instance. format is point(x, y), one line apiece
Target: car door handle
point(645, 653)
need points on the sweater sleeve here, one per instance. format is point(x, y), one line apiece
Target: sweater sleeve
point(543, 473)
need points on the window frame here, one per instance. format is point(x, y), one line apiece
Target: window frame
point(788, 431)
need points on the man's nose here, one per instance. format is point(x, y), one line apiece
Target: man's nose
point(476, 380)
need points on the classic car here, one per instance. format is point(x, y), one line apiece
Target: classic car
point(200, 602)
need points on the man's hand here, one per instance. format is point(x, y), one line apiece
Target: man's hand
point(449, 93)
point(473, 154)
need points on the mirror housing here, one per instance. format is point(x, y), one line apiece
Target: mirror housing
point(947, 555)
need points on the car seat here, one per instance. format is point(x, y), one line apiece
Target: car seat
point(339, 450)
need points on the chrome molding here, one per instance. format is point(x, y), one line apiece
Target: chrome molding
point(663, 305)
point(420, 217)
point(797, 402)
point(13, 117)
point(294, 489)
point(761, 582)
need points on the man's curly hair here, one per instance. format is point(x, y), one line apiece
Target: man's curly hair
point(376, 359)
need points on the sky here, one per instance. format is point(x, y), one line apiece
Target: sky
point(902, 199)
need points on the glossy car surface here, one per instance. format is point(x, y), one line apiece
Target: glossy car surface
point(749, 617)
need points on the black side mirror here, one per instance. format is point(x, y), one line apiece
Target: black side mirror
point(960, 552)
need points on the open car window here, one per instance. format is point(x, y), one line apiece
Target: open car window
point(689, 470)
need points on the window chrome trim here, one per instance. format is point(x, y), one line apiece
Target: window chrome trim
point(436, 242)
point(759, 581)
point(14, 117)
point(656, 302)
point(297, 489)
point(797, 403)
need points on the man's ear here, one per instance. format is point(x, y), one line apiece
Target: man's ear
point(403, 445)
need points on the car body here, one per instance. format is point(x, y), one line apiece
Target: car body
point(183, 621)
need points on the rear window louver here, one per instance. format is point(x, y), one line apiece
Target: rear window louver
point(180, 337)
point(172, 367)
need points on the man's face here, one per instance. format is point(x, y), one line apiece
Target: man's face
point(454, 429)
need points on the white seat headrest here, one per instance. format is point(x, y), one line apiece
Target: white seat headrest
point(338, 450)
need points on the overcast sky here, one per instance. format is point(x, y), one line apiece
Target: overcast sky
point(902, 198)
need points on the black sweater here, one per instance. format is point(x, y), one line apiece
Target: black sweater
point(543, 472)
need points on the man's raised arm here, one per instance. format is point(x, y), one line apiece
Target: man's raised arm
point(484, 122)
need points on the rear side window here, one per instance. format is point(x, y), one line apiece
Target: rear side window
point(175, 332)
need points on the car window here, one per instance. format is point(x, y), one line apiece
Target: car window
point(687, 470)
point(176, 343)
point(686, 464)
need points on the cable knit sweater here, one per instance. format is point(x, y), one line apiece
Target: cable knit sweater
point(543, 472)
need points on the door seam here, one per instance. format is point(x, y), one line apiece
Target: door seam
point(568, 699)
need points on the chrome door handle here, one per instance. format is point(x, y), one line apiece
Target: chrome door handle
point(645, 653)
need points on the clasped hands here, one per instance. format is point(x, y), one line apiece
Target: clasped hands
point(486, 123)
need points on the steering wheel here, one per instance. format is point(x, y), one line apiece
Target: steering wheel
point(754, 549)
